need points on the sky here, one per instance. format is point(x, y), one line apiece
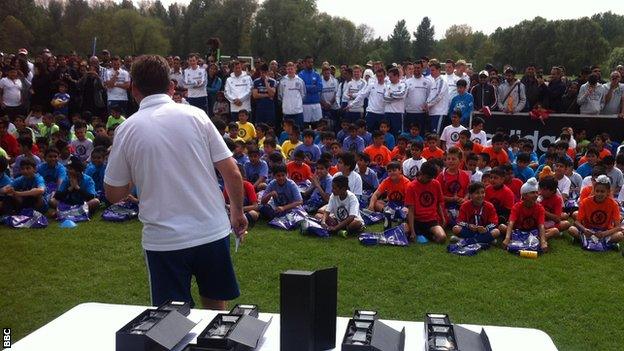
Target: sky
point(481, 15)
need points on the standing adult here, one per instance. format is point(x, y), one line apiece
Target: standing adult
point(531, 87)
point(185, 224)
point(591, 96)
point(438, 99)
point(41, 88)
point(238, 90)
point(117, 83)
point(329, 96)
point(614, 96)
point(291, 91)
point(511, 93)
point(555, 91)
point(484, 93)
point(195, 82)
point(93, 97)
point(176, 72)
point(312, 102)
point(213, 86)
point(264, 90)
point(11, 97)
point(417, 91)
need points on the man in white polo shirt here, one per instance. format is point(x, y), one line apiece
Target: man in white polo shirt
point(195, 78)
point(117, 82)
point(185, 224)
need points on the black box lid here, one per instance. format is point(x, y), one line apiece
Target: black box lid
point(170, 330)
point(467, 340)
point(385, 338)
point(249, 330)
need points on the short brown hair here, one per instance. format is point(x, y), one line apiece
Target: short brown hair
point(150, 74)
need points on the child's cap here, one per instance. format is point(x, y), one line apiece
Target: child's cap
point(546, 172)
point(530, 186)
point(603, 179)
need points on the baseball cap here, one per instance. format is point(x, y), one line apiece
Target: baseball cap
point(22, 51)
point(484, 73)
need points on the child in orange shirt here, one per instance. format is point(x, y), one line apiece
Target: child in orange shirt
point(432, 150)
point(599, 216)
point(498, 155)
point(378, 152)
point(477, 218)
point(298, 171)
point(424, 200)
point(392, 188)
point(399, 153)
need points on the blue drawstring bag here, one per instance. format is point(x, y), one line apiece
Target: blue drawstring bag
point(364, 199)
point(27, 218)
point(305, 186)
point(595, 244)
point(393, 212)
point(75, 213)
point(371, 217)
point(313, 204)
point(290, 220)
point(312, 226)
point(121, 212)
point(466, 247)
point(524, 240)
point(394, 236)
point(570, 205)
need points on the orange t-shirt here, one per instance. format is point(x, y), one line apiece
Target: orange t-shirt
point(594, 215)
point(603, 153)
point(332, 170)
point(497, 158)
point(379, 155)
point(429, 155)
point(586, 192)
point(298, 173)
point(396, 154)
point(476, 148)
point(394, 191)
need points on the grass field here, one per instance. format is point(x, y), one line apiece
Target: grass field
point(574, 296)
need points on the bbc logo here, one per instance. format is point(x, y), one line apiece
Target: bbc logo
point(6, 338)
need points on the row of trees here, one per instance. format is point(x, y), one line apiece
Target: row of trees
point(286, 29)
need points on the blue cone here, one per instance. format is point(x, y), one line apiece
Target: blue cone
point(68, 224)
point(421, 239)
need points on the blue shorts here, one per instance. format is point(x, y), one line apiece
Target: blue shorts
point(171, 272)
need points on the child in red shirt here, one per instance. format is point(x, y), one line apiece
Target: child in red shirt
point(499, 195)
point(298, 171)
point(556, 222)
point(599, 215)
point(514, 184)
point(454, 184)
point(399, 153)
point(392, 188)
point(250, 199)
point(378, 152)
point(498, 155)
point(477, 218)
point(424, 200)
point(527, 215)
point(432, 150)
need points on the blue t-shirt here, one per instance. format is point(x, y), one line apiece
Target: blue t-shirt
point(326, 184)
point(585, 169)
point(286, 194)
point(253, 172)
point(342, 134)
point(24, 184)
point(51, 174)
point(465, 103)
point(266, 103)
point(389, 141)
point(523, 174)
point(5, 180)
point(370, 181)
point(86, 184)
point(411, 138)
point(312, 152)
point(368, 138)
point(18, 161)
point(241, 159)
point(97, 174)
point(353, 144)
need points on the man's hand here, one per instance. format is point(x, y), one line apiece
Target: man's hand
point(239, 224)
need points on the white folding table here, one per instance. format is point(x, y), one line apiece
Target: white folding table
point(92, 326)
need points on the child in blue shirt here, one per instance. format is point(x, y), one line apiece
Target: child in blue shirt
point(60, 101)
point(318, 194)
point(311, 150)
point(77, 188)
point(25, 191)
point(586, 168)
point(353, 142)
point(280, 196)
point(96, 169)
point(370, 181)
point(51, 170)
point(414, 134)
point(363, 133)
point(389, 141)
point(521, 167)
point(256, 169)
point(25, 145)
point(463, 101)
point(4, 177)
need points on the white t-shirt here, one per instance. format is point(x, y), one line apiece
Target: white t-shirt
point(478, 138)
point(476, 176)
point(195, 81)
point(341, 209)
point(178, 211)
point(450, 135)
point(411, 167)
point(11, 91)
point(117, 93)
point(563, 185)
point(355, 182)
point(82, 149)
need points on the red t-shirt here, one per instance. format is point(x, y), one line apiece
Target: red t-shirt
point(425, 198)
point(454, 183)
point(249, 196)
point(553, 204)
point(394, 191)
point(298, 173)
point(594, 215)
point(10, 145)
point(379, 155)
point(515, 185)
point(527, 218)
point(429, 155)
point(332, 170)
point(586, 192)
point(500, 198)
point(497, 158)
point(481, 215)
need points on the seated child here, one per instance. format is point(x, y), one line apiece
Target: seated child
point(346, 167)
point(353, 142)
point(232, 130)
point(250, 199)
point(77, 188)
point(599, 215)
point(262, 132)
point(270, 147)
point(521, 169)
point(378, 152)
point(483, 164)
point(256, 169)
point(288, 146)
point(363, 133)
point(412, 165)
point(311, 151)
point(477, 134)
point(499, 194)
point(454, 183)
point(280, 196)
point(239, 152)
point(471, 166)
point(432, 150)
point(318, 194)
point(4, 179)
point(287, 126)
point(414, 134)
point(477, 217)
point(25, 147)
point(563, 182)
point(527, 215)
point(298, 171)
point(513, 183)
point(51, 170)
point(399, 153)
point(370, 181)
point(450, 134)
point(246, 130)
point(467, 145)
point(392, 189)
point(25, 191)
point(556, 221)
point(498, 155)
point(425, 202)
point(343, 210)
point(96, 170)
point(389, 140)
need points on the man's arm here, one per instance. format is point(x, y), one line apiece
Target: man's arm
point(234, 186)
point(114, 194)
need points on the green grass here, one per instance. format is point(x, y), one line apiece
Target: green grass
point(574, 296)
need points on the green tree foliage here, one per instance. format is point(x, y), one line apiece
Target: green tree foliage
point(616, 57)
point(423, 38)
point(14, 34)
point(399, 43)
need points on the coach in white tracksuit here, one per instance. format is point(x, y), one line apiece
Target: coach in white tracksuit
point(291, 92)
point(238, 88)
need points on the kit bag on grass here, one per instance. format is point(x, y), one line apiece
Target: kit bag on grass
point(524, 240)
point(27, 218)
point(121, 212)
point(74, 213)
point(594, 243)
point(467, 247)
point(371, 217)
point(312, 226)
point(290, 220)
point(396, 236)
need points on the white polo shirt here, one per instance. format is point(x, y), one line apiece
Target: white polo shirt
point(117, 93)
point(178, 209)
point(11, 91)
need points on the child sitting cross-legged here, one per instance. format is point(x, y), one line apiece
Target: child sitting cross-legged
point(318, 194)
point(527, 216)
point(392, 189)
point(343, 210)
point(556, 222)
point(477, 217)
point(281, 195)
point(77, 188)
point(25, 191)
